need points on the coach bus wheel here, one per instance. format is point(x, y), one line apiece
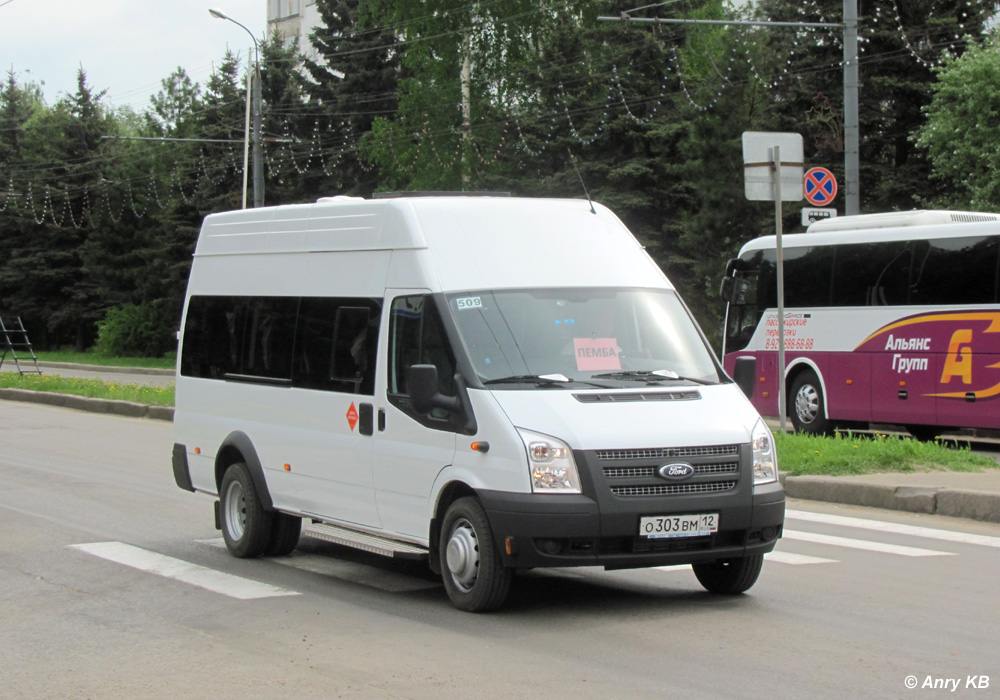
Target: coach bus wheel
point(806, 409)
point(729, 576)
point(474, 575)
point(924, 433)
point(246, 526)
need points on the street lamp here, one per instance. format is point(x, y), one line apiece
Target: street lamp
point(258, 155)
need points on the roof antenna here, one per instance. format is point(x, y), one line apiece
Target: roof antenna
point(573, 160)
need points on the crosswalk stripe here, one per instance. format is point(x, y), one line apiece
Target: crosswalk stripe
point(345, 570)
point(185, 572)
point(796, 559)
point(895, 528)
point(862, 544)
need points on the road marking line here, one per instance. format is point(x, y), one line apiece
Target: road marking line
point(351, 572)
point(895, 528)
point(797, 559)
point(179, 570)
point(863, 544)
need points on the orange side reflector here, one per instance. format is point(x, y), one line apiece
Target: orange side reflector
point(902, 383)
point(850, 381)
point(766, 394)
point(288, 467)
point(197, 450)
point(763, 379)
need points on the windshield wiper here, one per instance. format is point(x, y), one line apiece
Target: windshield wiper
point(540, 379)
point(659, 375)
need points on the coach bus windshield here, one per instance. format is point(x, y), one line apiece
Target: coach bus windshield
point(621, 336)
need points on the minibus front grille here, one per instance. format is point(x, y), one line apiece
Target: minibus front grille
point(648, 471)
point(672, 489)
point(669, 452)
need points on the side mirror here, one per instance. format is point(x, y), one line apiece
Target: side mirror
point(726, 289)
point(422, 383)
point(745, 372)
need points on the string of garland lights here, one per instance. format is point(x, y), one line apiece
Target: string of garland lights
point(327, 147)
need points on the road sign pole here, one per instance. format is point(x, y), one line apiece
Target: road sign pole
point(776, 169)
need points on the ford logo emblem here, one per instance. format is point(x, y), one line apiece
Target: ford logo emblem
point(676, 472)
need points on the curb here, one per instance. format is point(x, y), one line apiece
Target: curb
point(956, 503)
point(109, 369)
point(84, 403)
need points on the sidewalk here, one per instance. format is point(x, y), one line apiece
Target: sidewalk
point(974, 495)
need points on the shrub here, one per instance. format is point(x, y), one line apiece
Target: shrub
point(135, 330)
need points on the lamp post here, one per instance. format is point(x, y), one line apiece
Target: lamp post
point(258, 155)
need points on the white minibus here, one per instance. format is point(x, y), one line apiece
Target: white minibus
point(487, 383)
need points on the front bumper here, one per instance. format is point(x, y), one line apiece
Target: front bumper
point(601, 526)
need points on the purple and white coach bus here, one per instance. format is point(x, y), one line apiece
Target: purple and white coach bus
point(889, 318)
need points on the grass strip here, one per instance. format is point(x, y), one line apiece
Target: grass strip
point(845, 453)
point(92, 388)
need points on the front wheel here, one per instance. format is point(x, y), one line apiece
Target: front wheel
point(246, 526)
point(806, 410)
point(473, 571)
point(729, 576)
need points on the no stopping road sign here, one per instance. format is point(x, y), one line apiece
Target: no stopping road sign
point(819, 186)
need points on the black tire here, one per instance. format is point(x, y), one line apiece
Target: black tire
point(729, 576)
point(246, 526)
point(924, 433)
point(285, 530)
point(805, 405)
point(473, 571)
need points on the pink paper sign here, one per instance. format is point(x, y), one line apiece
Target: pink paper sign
point(596, 354)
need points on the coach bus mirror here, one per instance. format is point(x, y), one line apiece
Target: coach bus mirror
point(726, 289)
point(422, 382)
point(744, 373)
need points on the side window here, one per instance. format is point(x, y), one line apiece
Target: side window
point(416, 337)
point(213, 336)
point(268, 336)
point(956, 271)
point(872, 274)
point(336, 344)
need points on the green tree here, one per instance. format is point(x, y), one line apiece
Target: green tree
point(901, 43)
point(962, 134)
point(353, 82)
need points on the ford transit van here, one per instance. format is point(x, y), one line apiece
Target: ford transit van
point(490, 384)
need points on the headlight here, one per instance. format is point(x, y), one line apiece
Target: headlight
point(553, 469)
point(765, 461)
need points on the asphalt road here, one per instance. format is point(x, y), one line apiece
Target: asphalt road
point(113, 584)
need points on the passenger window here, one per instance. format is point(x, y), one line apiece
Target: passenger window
point(336, 345)
point(267, 345)
point(956, 271)
point(417, 337)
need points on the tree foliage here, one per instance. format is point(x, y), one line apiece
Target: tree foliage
point(531, 97)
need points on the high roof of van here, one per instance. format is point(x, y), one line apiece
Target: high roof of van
point(468, 238)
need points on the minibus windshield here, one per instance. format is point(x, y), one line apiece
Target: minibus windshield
point(552, 337)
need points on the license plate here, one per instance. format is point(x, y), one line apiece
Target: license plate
point(661, 526)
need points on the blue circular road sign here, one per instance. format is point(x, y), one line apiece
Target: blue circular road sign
point(820, 186)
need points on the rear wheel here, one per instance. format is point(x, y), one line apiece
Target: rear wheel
point(473, 571)
point(729, 576)
point(246, 526)
point(806, 410)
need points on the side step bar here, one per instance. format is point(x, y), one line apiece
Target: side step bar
point(363, 541)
